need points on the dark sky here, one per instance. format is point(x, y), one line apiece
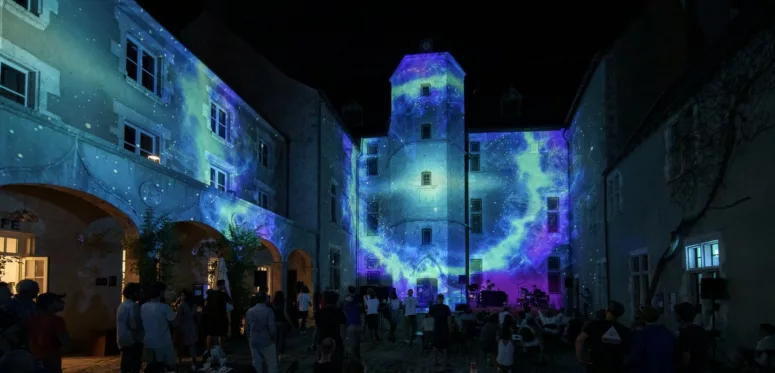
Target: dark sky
point(542, 48)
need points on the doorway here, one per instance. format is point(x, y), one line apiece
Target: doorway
point(290, 284)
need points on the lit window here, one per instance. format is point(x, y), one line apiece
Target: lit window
point(372, 166)
point(426, 178)
point(9, 245)
point(476, 215)
point(425, 90)
point(703, 255)
point(15, 83)
point(219, 121)
point(427, 236)
point(142, 66)
point(425, 131)
point(140, 142)
point(219, 179)
point(263, 200)
point(263, 153)
point(372, 218)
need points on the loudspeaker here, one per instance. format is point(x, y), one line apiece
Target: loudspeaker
point(260, 280)
point(713, 288)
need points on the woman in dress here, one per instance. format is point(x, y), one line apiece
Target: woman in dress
point(186, 333)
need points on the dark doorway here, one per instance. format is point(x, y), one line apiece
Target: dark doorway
point(290, 284)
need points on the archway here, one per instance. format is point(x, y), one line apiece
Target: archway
point(270, 262)
point(193, 269)
point(300, 269)
point(69, 242)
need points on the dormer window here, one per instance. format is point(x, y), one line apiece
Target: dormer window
point(425, 90)
point(425, 131)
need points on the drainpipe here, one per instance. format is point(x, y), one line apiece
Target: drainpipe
point(465, 209)
point(320, 190)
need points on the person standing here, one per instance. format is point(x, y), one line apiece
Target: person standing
point(352, 311)
point(47, 333)
point(440, 313)
point(186, 334)
point(653, 346)
point(216, 317)
point(608, 342)
point(332, 325)
point(693, 343)
point(505, 358)
point(372, 313)
point(394, 305)
point(303, 301)
point(410, 311)
point(129, 330)
point(156, 318)
point(282, 320)
point(22, 305)
point(261, 329)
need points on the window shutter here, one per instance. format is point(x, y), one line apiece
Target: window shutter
point(32, 89)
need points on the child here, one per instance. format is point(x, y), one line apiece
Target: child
point(505, 358)
point(47, 332)
point(427, 333)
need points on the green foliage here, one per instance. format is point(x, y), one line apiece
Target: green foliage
point(156, 250)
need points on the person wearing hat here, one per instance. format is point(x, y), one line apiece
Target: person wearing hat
point(47, 332)
point(607, 341)
point(653, 345)
point(693, 340)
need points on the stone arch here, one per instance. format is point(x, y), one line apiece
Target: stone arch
point(75, 241)
point(193, 265)
point(270, 260)
point(301, 268)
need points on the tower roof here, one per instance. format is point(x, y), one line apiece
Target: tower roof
point(425, 64)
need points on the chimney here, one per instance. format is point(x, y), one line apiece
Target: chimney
point(426, 46)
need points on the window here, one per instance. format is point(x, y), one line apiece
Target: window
point(36, 269)
point(335, 269)
point(263, 153)
point(372, 218)
point(639, 271)
point(32, 6)
point(219, 121)
point(476, 215)
point(263, 200)
point(425, 90)
point(372, 166)
point(9, 245)
point(553, 214)
point(219, 179)
point(427, 236)
point(333, 202)
point(703, 255)
point(140, 142)
point(614, 194)
point(425, 131)
point(425, 178)
point(474, 158)
point(16, 84)
point(371, 148)
point(142, 66)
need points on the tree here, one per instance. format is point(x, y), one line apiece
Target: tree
point(729, 112)
point(239, 248)
point(156, 250)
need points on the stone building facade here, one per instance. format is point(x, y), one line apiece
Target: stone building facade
point(103, 115)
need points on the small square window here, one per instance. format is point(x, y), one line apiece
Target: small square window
point(426, 178)
point(219, 123)
point(474, 146)
point(427, 236)
point(552, 204)
point(371, 166)
point(476, 205)
point(554, 222)
point(425, 131)
point(425, 90)
point(219, 179)
point(371, 148)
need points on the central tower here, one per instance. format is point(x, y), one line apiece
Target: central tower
point(426, 159)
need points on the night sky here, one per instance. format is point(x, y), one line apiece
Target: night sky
point(350, 52)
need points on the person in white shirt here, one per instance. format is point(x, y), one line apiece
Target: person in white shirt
point(505, 357)
point(502, 315)
point(129, 330)
point(156, 317)
point(303, 300)
point(372, 313)
point(410, 311)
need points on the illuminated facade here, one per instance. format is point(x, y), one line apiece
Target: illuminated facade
point(104, 114)
point(412, 188)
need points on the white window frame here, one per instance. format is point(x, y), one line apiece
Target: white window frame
point(157, 88)
point(23, 70)
point(214, 106)
point(42, 283)
point(372, 212)
point(21, 243)
point(422, 178)
point(476, 214)
point(706, 253)
point(264, 154)
point(643, 275)
point(138, 131)
point(429, 232)
point(227, 178)
point(614, 194)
